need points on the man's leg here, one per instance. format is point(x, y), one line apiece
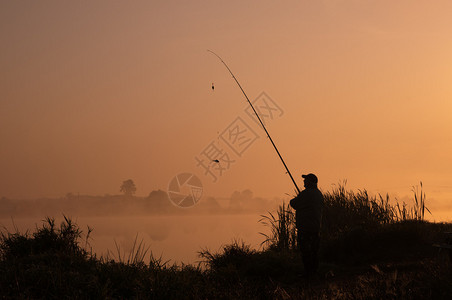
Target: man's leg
point(315, 252)
point(309, 251)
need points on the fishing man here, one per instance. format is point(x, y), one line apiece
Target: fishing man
point(308, 207)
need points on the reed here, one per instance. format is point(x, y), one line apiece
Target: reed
point(417, 211)
point(136, 255)
point(283, 235)
point(344, 210)
point(419, 203)
point(51, 263)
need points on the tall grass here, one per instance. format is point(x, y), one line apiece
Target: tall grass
point(417, 211)
point(344, 211)
point(49, 238)
point(52, 262)
point(235, 254)
point(283, 233)
point(135, 257)
point(419, 203)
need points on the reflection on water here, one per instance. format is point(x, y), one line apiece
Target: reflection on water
point(175, 238)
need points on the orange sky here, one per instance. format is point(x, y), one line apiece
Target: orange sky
point(94, 93)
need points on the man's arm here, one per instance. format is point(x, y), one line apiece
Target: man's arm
point(294, 203)
point(297, 202)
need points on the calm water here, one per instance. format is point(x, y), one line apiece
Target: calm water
point(175, 238)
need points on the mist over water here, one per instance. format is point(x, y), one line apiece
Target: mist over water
point(175, 238)
point(170, 232)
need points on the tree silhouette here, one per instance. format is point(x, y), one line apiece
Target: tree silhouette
point(128, 187)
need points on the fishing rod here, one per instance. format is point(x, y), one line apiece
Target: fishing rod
point(257, 115)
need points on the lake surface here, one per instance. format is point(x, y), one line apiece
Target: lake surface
point(175, 238)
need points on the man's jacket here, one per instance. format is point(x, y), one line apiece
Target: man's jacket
point(308, 207)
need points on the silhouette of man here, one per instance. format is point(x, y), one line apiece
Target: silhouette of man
point(308, 207)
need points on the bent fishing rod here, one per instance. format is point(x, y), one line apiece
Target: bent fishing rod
point(257, 115)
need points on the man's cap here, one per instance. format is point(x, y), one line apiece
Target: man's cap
point(311, 177)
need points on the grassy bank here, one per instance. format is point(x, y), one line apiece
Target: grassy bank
point(370, 250)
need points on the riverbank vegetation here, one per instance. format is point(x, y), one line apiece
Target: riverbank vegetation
point(371, 249)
